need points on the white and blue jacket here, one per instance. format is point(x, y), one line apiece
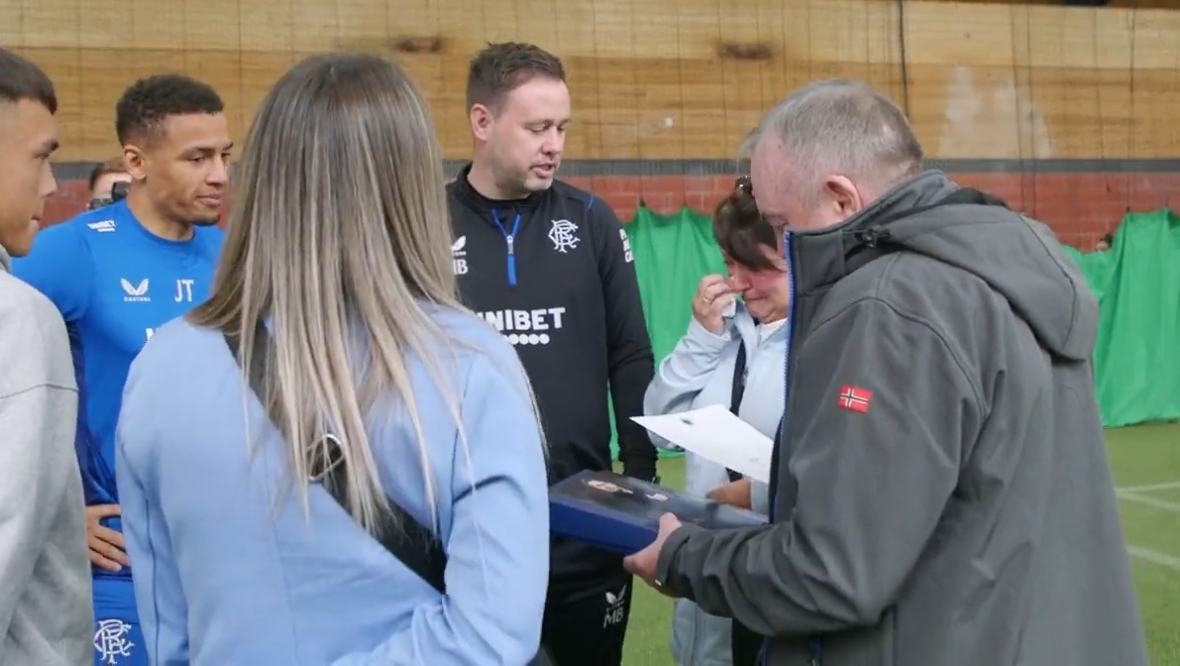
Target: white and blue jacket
point(698, 373)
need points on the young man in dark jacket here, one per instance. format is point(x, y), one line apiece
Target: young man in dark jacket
point(550, 266)
point(941, 489)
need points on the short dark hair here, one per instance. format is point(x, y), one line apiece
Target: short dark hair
point(149, 101)
point(499, 68)
point(113, 165)
point(21, 79)
point(741, 231)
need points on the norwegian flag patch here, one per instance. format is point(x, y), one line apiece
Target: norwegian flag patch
point(855, 399)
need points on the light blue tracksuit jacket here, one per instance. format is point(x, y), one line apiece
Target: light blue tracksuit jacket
point(229, 569)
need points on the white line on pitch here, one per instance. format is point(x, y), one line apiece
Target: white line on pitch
point(1150, 487)
point(1149, 501)
point(1154, 556)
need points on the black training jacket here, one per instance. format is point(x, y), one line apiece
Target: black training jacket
point(554, 273)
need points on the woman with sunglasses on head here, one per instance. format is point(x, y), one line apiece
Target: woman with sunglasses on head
point(732, 354)
point(278, 446)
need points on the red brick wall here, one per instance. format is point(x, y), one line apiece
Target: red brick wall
point(71, 199)
point(1081, 207)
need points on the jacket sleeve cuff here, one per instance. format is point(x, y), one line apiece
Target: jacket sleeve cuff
point(667, 576)
point(705, 338)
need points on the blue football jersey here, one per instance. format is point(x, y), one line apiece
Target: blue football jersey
point(114, 283)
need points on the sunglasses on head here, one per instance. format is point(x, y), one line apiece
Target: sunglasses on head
point(744, 187)
point(118, 193)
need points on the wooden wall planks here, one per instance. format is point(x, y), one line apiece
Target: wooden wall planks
point(648, 78)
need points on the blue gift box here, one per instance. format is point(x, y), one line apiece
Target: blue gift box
point(622, 514)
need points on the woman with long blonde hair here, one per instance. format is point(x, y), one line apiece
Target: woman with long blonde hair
point(328, 399)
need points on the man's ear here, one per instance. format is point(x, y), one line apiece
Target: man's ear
point(135, 161)
point(843, 196)
point(482, 120)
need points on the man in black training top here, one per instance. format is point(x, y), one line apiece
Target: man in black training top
point(550, 266)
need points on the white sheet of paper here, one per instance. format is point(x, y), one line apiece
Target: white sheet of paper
point(714, 433)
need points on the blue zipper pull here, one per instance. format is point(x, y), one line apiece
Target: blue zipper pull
point(511, 259)
point(510, 238)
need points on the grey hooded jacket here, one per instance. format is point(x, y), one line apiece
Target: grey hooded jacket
point(45, 608)
point(942, 489)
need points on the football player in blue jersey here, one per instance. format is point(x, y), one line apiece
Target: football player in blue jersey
point(118, 273)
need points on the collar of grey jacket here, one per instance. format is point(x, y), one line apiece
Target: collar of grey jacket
point(821, 257)
point(1017, 257)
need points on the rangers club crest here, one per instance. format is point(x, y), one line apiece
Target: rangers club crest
point(563, 237)
point(110, 640)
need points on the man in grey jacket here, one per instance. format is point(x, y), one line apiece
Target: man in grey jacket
point(45, 612)
point(941, 489)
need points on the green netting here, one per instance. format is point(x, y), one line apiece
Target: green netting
point(672, 254)
point(1137, 356)
point(1137, 282)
